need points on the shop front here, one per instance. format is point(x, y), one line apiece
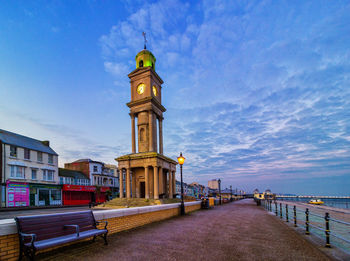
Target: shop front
point(17, 194)
point(45, 195)
point(78, 195)
point(84, 195)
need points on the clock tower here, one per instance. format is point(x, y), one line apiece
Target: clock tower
point(146, 172)
point(145, 104)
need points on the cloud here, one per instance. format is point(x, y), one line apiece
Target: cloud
point(256, 92)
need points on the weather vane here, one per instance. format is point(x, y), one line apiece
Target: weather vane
point(144, 36)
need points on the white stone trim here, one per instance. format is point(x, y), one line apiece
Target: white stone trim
point(8, 226)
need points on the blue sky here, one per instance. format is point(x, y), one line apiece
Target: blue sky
point(257, 92)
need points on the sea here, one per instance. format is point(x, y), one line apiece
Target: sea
point(331, 202)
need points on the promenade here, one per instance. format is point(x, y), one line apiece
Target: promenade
point(235, 231)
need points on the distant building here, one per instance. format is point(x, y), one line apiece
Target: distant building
point(29, 172)
point(213, 184)
point(96, 171)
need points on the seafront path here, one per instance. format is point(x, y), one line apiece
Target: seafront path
point(234, 231)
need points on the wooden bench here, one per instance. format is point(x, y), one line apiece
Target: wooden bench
point(47, 231)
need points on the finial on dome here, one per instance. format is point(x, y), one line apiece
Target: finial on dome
point(144, 36)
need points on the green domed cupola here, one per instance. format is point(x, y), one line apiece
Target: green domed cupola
point(145, 59)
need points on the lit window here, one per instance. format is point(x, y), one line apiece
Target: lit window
point(13, 151)
point(27, 154)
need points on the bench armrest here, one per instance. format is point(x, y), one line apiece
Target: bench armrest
point(76, 228)
point(33, 236)
point(106, 222)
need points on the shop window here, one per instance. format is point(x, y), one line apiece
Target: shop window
point(13, 151)
point(34, 174)
point(50, 159)
point(55, 194)
point(17, 172)
point(27, 154)
point(40, 156)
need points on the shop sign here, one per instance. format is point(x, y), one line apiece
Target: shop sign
point(67, 187)
point(45, 186)
point(17, 194)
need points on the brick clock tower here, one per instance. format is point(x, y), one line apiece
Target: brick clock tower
point(148, 173)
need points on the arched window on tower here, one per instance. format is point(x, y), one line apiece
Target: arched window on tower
point(142, 134)
point(140, 63)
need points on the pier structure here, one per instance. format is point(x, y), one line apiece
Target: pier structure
point(311, 196)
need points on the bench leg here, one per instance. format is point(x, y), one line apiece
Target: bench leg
point(105, 239)
point(93, 240)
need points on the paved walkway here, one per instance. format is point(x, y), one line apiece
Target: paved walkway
point(236, 231)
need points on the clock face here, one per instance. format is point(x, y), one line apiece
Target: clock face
point(154, 88)
point(141, 88)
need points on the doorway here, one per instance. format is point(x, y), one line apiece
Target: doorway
point(142, 190)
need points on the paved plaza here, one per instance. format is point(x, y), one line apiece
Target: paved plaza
point(235, 231)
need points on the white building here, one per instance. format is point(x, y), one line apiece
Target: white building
point(29, 172)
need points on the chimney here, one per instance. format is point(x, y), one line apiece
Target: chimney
point(46, 143)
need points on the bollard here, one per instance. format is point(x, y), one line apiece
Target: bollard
point(276, 209)
point(287, 217)
point(327, 231)
point(295, 216)
point(307, 232)
point(281, 210)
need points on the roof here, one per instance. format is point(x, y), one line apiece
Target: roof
point(24, 142)
point(71, 173)
point(88, 160)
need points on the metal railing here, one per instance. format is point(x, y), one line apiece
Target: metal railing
point(300, 217)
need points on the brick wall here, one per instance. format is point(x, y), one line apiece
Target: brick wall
point(118, 220)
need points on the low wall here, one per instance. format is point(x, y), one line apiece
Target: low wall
point(118, 220)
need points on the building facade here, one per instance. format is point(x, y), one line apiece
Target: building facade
point(29, 172)
point(213, 184)
point(148, 173)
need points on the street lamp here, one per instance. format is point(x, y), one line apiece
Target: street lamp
point(181, 161)
point(231, 193)
point(220, 189)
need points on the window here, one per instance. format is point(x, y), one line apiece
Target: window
point(141, 63)
point(55, 194)
point(13, 151)
point(47, 175)
point(17, 172)
point(50, 159)
point(27, 154)
point(40, 156)
point(34, 172)
point(95, 169)
point(61, 180)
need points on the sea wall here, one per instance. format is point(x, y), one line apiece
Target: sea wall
point(118, 220)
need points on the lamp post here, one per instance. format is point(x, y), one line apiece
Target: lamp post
point(181, 161)
point(231, 193)
point(220, 190)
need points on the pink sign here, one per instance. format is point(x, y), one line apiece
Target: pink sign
point(17, 194)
